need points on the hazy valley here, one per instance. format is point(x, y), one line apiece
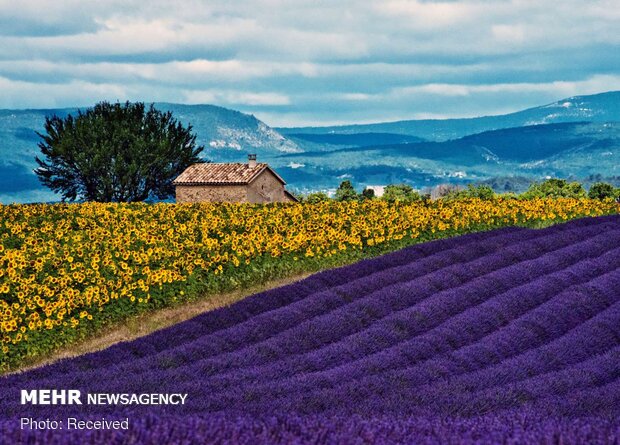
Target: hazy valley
point(577, 137)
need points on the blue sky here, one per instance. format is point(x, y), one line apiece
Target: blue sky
point(300, 62)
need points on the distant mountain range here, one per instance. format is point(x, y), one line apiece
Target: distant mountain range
point(603, 107)
point(569, 150)
point(578, 137)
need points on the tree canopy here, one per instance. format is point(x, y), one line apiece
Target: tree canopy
point(346, 192)
point(480, 191)
point(368, 193)
point(115, 153)
point(602, 190)
point(400, 193)
point(555, 188)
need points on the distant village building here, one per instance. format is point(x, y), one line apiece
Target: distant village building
point(231, 182)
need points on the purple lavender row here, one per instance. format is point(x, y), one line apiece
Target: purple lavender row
point(570, 327)
point(356, 374)
point(553, 387)
point(599, 399)
point(588, 350)
point(391, 332)
point(582, 376)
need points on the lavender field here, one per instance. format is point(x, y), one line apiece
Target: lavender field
point(508, 336)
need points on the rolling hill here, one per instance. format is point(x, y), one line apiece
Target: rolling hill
point(506, 336)
point(603, 107)
point(575, 150)
point(328, 141)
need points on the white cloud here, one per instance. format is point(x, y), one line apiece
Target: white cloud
point(20, 94)
point(314, 61)
point(234, 97)
point(509, 34)
point(439, 89)
point(430, 15)
point(591, 85)
point(355, 96)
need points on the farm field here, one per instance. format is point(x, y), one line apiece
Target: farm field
point(66, 271)
point(504, 336)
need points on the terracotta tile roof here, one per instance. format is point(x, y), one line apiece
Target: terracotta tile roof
point(221, 174)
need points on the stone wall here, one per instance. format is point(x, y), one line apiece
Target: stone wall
point(210, 193)
point(266, 188)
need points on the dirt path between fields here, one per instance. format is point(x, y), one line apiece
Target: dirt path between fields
point(144, 324)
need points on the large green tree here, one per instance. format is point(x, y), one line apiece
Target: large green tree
point(115, 152)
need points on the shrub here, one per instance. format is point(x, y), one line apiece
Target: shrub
point(555, 188)
point(315, 198)
point(481, 191)
point(400, 193)
point(602, 190)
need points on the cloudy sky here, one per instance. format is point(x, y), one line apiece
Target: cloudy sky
point(294, 62)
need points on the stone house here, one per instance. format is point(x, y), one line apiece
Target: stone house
point(231, 182)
